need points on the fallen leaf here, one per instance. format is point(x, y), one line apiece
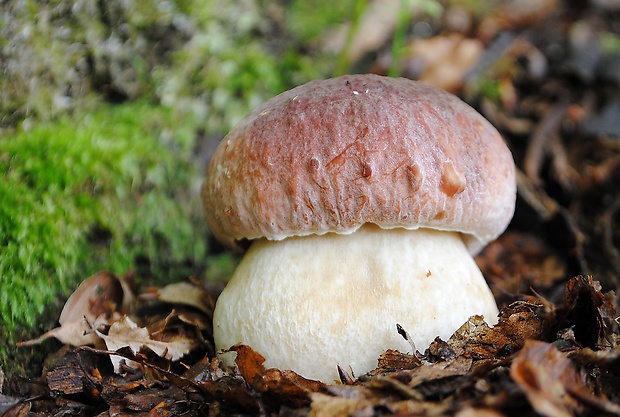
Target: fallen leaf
point(324, 405)
point(219, 385)
point(7, 403)
point(75, 333)
point(517, 323)
point(100, 294)
point(185, 293)
point(98, 301)
point(249, 362)
point(277, 386)
point(21, 409)
point(126, 333)
point(547, 376)
point(440, 379)
point(393, 360)
point(586, 310)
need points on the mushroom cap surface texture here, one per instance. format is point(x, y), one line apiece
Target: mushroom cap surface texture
point(332, 155)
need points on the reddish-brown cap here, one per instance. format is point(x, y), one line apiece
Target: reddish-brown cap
point(331, 155)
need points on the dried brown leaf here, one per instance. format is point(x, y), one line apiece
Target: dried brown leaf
point(222, 386)
point(324, 405)
point(393, 360)
point(75, 333)
point(476, 339)
point(278, 386)
point(517, 323)
point(18, 410)
point(441, 379)
point(180, 325)
point(126, 333)
point(547, 376)
point(186, 293)
point(586, 310)
point(249, 362)
point(101, 294)
point(98, 301)
point(602, 358)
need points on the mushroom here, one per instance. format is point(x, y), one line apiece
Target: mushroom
point(362, 199)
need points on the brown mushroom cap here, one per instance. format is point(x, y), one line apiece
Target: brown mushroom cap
point(332, 155)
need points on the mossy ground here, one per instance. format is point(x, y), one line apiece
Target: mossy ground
point(98, 192)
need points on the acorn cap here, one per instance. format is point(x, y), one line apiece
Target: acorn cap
point(332, 155)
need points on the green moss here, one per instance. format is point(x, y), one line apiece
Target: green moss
point(102, 192)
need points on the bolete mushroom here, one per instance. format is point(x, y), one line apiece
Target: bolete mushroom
point(362, 199)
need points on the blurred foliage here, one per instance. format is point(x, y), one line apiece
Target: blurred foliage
point(217, 60)
point(244, 53)
point(104, 108)
point(405, 16)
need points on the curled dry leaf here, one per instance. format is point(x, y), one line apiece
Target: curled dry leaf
point(439, 379)
point(278, 386)
point(547, 377)
point(126, 333)
point(393, 360)
point(605, 359)
point(98, 301)
point(587, 311)
point(100, 294)
point(185, 293)
point(218, 384)
point(517, 323)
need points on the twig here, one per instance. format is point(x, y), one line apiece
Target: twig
point(405, 335)
point(345, 378)
point(566, 175)
point(580, 239)
point(545, 206)
point(539, 143)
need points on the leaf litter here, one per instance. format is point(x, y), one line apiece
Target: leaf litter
point(157, 358)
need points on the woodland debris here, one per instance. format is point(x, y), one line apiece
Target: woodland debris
point(542, 352)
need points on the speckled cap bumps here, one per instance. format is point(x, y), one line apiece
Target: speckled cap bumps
point(332, 155)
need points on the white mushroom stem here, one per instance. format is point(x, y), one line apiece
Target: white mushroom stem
point(312, 303)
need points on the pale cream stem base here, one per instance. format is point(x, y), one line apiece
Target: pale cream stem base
point(312, 303)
